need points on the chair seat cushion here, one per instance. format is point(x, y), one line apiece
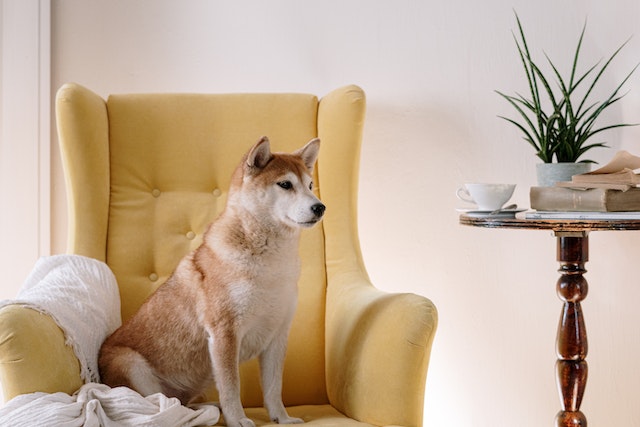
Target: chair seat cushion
point(319, 415)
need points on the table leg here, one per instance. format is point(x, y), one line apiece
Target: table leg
point(571, 343)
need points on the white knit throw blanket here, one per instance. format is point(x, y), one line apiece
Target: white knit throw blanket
point(81, 295)
point(97, 405)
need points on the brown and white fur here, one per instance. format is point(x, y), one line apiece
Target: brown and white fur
point(230, 300)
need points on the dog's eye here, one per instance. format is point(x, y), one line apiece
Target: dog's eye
point(311, 185)
point(285, 185)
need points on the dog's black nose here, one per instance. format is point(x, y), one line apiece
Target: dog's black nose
point(318, 209)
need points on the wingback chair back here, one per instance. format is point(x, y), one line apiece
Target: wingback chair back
point(146, 174)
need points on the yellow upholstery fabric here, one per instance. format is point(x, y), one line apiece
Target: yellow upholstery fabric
point(146, 173)
point(318, 415)
point(29, 342)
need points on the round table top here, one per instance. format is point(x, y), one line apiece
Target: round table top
point(556, 225)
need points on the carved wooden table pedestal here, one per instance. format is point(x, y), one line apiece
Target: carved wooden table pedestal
point(571, 343)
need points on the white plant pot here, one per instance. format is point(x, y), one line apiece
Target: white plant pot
point(550, 173)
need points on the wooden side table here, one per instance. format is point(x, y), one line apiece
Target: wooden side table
point(571, 343)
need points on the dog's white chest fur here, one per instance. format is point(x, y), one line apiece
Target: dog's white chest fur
point(264, 305)
point(264, 314)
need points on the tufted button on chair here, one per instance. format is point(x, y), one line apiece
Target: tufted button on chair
point(145, 175)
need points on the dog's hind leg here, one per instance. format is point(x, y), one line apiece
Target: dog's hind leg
point(123, 366)
point(143, 378)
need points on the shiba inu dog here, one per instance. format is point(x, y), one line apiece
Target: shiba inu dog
point(230, 300)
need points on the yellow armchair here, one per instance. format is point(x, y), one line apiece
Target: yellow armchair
point(146, 173)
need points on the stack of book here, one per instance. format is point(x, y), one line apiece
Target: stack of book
point(610, 192)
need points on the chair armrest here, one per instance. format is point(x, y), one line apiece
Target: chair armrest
point(377, 344)
point(33, 354)
point(378, 349)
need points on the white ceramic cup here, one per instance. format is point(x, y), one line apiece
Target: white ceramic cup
point(488, 197)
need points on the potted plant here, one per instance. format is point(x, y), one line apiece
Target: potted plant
point(560, 125)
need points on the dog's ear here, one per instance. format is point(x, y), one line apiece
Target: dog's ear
point(309, 153)
point(260, 154)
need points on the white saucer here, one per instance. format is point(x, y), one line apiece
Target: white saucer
point(506, 213)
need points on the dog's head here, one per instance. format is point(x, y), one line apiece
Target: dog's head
point(279, 186)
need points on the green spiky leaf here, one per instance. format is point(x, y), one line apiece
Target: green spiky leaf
point(561, 133)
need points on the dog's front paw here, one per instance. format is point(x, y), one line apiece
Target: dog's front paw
point(246, 422)
point(288, 420)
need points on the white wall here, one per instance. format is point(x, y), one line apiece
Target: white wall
point(429, 69)
point(24, 139)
